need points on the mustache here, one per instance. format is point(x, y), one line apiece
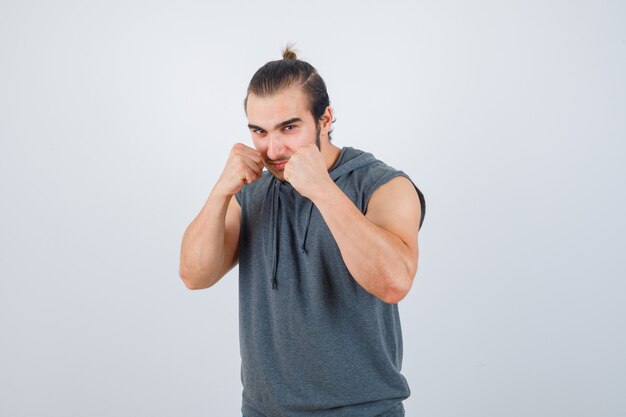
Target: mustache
point(273, 161)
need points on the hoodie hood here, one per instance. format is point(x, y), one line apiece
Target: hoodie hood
point(349, 160)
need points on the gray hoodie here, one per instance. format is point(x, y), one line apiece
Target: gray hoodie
point(313, 341)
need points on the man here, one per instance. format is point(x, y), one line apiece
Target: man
point(326, 242)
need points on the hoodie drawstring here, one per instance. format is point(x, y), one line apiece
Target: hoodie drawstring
point(306, 228)
point(275, 203)
point(275, 197)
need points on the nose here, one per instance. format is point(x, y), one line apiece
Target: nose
point(275, 148)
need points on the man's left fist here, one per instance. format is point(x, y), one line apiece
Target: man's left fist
point(306, 171)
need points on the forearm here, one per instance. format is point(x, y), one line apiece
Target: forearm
point(378, 260)
point(203, 248)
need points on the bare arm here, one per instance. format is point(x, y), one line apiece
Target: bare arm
point(379, 248)
point(210, 243)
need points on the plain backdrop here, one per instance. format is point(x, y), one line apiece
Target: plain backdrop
point(116, 118)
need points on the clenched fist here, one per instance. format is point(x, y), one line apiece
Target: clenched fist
point(244, 166)
point(306, 171)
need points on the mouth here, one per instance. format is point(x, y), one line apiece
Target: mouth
point(278, 165)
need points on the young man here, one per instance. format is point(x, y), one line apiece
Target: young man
point(326, 242)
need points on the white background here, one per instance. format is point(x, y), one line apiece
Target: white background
point(115, 121)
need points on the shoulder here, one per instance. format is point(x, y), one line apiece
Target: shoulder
point(396, 199)
point(385, 187)
point(371, 169)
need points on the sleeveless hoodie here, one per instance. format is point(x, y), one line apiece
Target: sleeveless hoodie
point(313, 342)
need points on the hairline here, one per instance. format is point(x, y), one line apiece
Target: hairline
point(291, 84)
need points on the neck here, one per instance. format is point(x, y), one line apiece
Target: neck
point(330, 153)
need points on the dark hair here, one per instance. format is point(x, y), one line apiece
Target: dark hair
point(278, 75)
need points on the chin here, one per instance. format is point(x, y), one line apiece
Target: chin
point(280, 175)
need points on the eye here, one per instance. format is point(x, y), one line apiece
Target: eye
point(289, 127)
point(258, 131)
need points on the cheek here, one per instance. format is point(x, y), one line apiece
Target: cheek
point(303, 138)
point(260, 146)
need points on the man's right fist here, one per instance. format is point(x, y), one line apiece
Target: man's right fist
point(244, 166)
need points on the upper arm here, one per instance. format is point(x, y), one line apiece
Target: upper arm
point(395, 206)
point(232, 225)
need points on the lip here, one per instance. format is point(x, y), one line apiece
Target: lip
point(279, 165)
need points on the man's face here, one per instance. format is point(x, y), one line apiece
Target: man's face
point(279, 125)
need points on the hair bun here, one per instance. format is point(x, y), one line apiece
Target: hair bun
point(289, 52)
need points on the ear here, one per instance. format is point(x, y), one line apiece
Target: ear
point(326, 120)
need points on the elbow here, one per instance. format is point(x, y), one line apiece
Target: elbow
point(398, 286)
point(396, 290)
point(189, 283)
point(398, 281)
point(193, 281)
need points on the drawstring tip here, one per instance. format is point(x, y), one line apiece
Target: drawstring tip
point(274, 284)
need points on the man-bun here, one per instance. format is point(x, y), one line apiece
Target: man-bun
point(289, 52)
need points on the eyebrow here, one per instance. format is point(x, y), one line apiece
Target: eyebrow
point(279, 125)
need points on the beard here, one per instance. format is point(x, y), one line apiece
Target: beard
point(318, 141)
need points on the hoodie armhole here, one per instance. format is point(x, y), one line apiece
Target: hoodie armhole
point(385, 179)
point(239, 196)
